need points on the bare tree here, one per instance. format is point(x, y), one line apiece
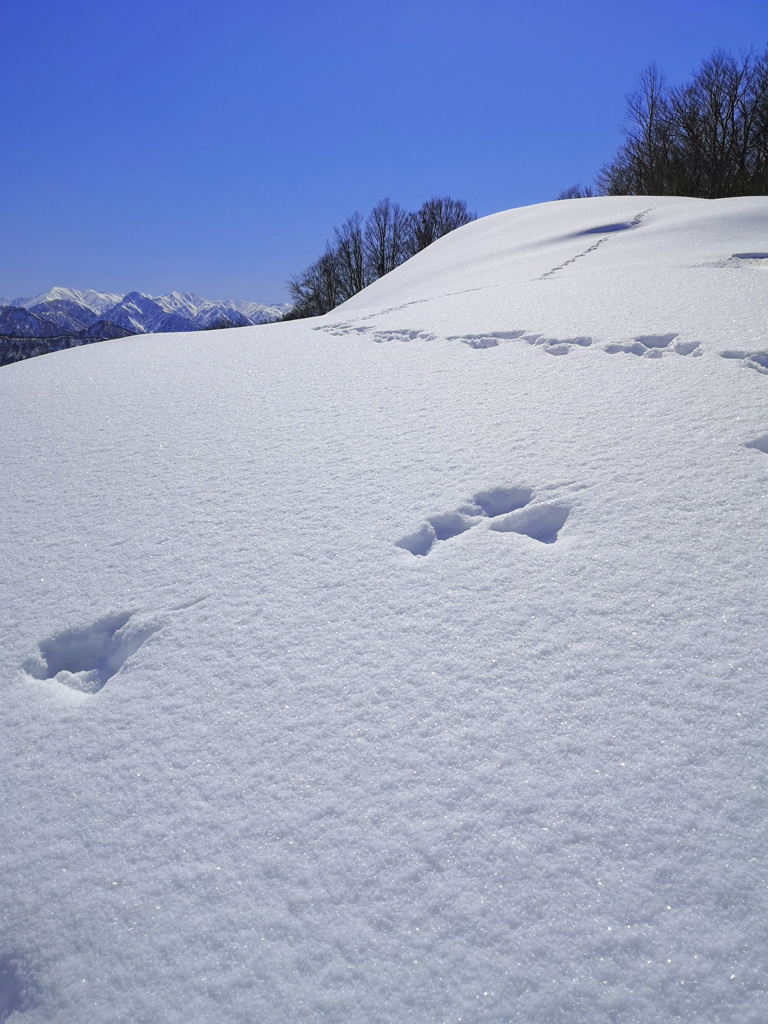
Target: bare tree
point(366, 251)
point(576, 191)
point(708, 138)
point(350, 257)
point(435, 218)
point(316, 290)
point(721, 117)
point(642, 166)
point(385, 238)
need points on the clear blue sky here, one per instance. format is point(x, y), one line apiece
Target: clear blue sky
point(211, 145)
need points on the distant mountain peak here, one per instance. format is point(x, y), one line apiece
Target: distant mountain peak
point(64, 317)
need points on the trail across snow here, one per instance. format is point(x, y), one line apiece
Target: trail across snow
point(406, 664)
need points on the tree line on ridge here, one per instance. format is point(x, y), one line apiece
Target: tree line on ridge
point(707, 138)
point(363, 250)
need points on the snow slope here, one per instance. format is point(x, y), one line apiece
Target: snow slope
point(407, 664)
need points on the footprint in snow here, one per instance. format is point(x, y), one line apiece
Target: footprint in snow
point(379, 336)
point(86, 659)
point(540, 522)
point(761, 443)
point(552, 346)
point(557, 346)
point(654, 346)
point(753, 360)
point(489, 340)
point(401, 335)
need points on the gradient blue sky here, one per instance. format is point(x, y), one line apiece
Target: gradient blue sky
point(211, 145)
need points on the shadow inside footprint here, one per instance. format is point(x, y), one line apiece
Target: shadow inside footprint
point(450, 524)
point(86, 659)
point(501, 500)
point(656, 340)
point(17, 993)
point(10, 989)
point(478, 343)
point(539, 522)
point(419, 543)
point(687, 348)
point(489, 340)
point(635, 348)
point(761, 443)
point(440, 527)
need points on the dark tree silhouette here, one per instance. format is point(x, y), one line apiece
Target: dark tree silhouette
point(316, 290)
point(350, 257)
point(387, 230)
point(708, 138)
point(435, 218)
point(367, 250)
point(576, 191)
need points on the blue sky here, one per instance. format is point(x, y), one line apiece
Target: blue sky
point(211, 145)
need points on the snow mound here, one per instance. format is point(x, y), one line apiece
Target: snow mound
point(470, 723)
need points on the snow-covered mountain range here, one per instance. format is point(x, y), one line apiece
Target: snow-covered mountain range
point(405, 664)
point(64, 317)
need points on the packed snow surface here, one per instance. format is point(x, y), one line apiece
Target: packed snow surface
point(405, 664)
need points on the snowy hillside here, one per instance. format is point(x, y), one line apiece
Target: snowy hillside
point(406, 664)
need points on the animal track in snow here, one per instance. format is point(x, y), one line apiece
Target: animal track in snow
point(86, 659)
point(649, 346)
point(654, 346)
point(489, 340)
point(754, 360)
point(540, 522)
point(605, 231)
point(761, 443)
point(379, 336)
point(557, 346)
point(402, 335)
point(554, 346)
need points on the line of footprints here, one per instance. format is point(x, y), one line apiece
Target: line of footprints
point(511, 510)
point(650, 346)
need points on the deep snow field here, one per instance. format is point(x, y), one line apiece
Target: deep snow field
point(405, 664)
